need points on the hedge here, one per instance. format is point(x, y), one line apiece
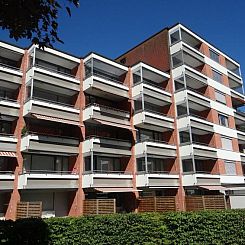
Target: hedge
point(207, 227)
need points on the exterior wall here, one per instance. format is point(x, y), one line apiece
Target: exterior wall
point(153, 51)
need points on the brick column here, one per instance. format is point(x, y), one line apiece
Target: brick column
point(15, 195)
point(132, 162)
point(76, 205)
point(180, 196)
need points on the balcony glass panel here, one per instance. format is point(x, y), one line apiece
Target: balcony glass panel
point(154, 165)
point(104, 165)
point(187, 166)
point(217, 76)
point(230, 168)
point(48, 93)
point(10, 59)
point(95, 67)
point(175, 37)
point(214, 55)
point(148, 135)
point(45, 164)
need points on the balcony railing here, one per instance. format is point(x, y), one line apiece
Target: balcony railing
point(201, 172)
point(50, 101)
point(154, 140)
point(157, 172)
point(6, 172)
point(54, 70)
point(107, 138)
point(198, 143)
point(151, 84)
point(152, 111)
point(8, 99)
point(49, 172)
point(46, 137)
point(10, 67)
point(105, 107)
point(107, 172)
point(103, 74)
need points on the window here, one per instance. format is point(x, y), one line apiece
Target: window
point(220, 97)
point(230, 168)
point(214, 55)
point(177, 59)
point(187, 166)
point(184, 137)
point(217, 76)
point(223, 120)
point(175, 37)
point(226, 143)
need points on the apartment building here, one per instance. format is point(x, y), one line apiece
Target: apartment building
point(159, 128)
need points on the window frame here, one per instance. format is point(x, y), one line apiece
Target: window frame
point(224, 116)
point(211, 51)
point(223, 94)
point(214, 71)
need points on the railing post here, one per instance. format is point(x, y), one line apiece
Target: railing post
point(203, 202)
point(114, 203)
point(155, 203)
point(97, 206)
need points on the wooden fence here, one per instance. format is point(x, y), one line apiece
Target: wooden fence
point(28, 209)
point(99, 206)
point(157, 204)
point(209, 202)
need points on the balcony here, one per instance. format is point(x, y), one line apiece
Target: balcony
point(108, 179)
point(183, 54)
point(8, 143)
point(9, 107)
point(10, 60)
point(240, 126)
point(49, 144)
point(234, 80)
point(106, 146)
point(50, 65)
point(153, 120)
point(151, 93)
point(198, 150)
point(190, 78)
point(157, 180)
point(104, 77)
point(201, 179)
point(233, 68)
point(51, 111)
point(35, 179)
point(104, 115)
point(7, 180)
point(158, 149)
point(53, 78)
point(196, 101)
point(200, 125)
point(150, 85)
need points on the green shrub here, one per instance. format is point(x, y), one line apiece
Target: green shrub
point(216, 227)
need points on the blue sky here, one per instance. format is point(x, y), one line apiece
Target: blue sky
point(111, 27)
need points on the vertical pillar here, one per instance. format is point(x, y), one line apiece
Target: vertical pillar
point(76, 206)
point(15, 195)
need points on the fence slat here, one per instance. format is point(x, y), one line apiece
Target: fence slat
point(157, 204)
point(28, 209)
point(208, 202)
point(99, 206)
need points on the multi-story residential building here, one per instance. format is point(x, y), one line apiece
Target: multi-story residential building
point(159, 128)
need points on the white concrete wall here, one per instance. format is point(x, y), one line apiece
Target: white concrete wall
point(237, 202)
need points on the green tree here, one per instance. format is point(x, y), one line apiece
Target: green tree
point(36, 20)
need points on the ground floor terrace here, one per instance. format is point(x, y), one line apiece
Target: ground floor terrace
point(47, 203)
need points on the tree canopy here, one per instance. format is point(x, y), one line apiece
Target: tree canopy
point(36, 20)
